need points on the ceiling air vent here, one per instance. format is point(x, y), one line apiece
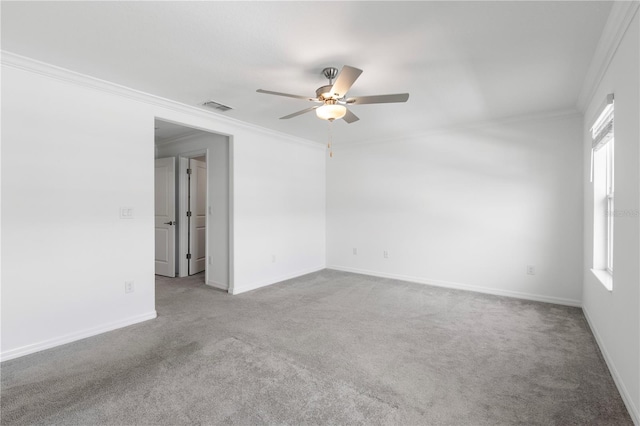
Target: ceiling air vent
point(217, 106)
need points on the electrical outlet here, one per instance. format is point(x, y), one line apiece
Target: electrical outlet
point(385, 254)
point(531, 270)
point(273, 258)
point(355, 251)
point(210, 260)
point(129, 287)
point(126, 212)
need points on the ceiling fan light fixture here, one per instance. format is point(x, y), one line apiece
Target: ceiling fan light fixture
point(331, 111)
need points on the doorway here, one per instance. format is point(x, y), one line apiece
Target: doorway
point(181, 215)
point(201, 201)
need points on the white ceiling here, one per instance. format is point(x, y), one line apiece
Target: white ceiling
point(461, 62)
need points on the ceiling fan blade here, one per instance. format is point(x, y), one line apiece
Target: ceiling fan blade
point(348, 75)
point(350, 117)
point(269, 92)
point(378, 99)
point(295, 114)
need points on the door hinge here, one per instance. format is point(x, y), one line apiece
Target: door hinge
point(188, 214)
point(189, 256)
point(188, 171)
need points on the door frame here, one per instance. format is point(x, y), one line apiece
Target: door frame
point(231, 194)
point(183, 207)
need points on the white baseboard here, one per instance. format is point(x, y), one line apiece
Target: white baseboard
point(259, 284)
point(467, 287)
point(624, 393)
point(215, 284)
point(72, 337)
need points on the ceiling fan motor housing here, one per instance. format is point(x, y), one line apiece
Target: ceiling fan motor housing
point(323, 93)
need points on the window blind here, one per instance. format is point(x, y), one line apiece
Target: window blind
point(603, 133)
point(602, 129)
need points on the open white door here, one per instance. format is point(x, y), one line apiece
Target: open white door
point(197, 216)
point(165, 200)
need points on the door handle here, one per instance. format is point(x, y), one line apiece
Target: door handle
point(170, 223)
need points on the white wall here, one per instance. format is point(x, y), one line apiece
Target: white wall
point(75, 156)
point(281, 213)
point(614, 316)
point(217, 273)
point(76, 150)
point(466, 208)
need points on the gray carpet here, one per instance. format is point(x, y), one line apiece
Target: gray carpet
point(325, 348)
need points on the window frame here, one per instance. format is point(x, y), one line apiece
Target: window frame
point(602, 177)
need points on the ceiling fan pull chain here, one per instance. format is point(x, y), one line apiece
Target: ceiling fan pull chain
point(330, 138)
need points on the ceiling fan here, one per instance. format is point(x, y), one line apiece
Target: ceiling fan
point(332, 97)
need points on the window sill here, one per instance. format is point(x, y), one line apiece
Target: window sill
point(604, 277)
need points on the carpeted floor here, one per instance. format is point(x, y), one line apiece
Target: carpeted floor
point(325, 348)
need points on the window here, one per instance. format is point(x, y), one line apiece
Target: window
point(603, 194)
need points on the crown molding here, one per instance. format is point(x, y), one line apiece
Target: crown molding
point(620, 17)
point(24, 63)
